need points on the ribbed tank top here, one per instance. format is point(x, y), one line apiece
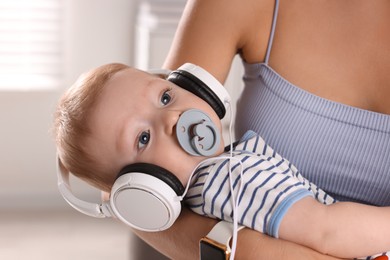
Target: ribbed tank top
point(343, 149)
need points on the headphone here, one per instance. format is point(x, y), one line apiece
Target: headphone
point(146, 196)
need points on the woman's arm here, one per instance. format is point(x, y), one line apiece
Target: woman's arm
point(211, 33)
point(181, 241)
point(343, 229)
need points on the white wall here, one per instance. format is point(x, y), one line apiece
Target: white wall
point(95, 32)
point(98, 32)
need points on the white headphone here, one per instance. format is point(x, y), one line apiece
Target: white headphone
point(145, 196)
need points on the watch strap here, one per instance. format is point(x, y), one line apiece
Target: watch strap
point(222, 232)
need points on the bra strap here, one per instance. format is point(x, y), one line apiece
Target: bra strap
point(271, 37)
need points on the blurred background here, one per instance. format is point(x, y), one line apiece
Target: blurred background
point(44, 46)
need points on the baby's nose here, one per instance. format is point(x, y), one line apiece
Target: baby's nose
point(170, 119)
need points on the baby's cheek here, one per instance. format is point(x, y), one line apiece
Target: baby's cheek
point(181, 165)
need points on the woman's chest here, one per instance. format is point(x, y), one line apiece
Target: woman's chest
point(336, 51)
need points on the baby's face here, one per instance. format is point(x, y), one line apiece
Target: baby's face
point(134, 121)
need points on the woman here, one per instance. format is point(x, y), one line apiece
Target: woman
point(316, 88)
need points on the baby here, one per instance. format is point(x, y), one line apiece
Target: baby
point(116, 115)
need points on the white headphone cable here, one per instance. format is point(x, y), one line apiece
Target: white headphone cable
point(235, 200)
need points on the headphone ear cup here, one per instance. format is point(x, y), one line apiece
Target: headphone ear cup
point(157, 172)
point(146, 197)
point(193, 84)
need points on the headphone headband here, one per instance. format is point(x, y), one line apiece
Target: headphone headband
point(88, 208)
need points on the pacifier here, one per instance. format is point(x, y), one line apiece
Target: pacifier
point(197, 134)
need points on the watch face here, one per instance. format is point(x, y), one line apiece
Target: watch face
point(212, 252)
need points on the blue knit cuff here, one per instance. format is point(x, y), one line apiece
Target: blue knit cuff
point(281, 210)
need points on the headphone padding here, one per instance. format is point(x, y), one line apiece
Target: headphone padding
point(194, 85)
point(155, 171)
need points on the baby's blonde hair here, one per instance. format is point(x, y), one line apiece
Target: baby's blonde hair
point(71, 126)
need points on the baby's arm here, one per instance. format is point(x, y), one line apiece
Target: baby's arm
point(343, 229)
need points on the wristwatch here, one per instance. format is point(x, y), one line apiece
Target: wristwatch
point(216, 244)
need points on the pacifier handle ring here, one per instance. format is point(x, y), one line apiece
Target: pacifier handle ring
point(195, 141)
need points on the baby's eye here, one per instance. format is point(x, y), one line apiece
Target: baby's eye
point(166, 98)
point(143, 139)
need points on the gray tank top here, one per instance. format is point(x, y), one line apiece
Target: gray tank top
point(344, 150)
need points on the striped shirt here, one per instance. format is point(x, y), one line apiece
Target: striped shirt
point(270, 185)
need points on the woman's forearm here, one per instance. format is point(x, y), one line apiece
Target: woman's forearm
point(343, 229)
point(255, 245)
point(361, 229)
point(181, 241)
